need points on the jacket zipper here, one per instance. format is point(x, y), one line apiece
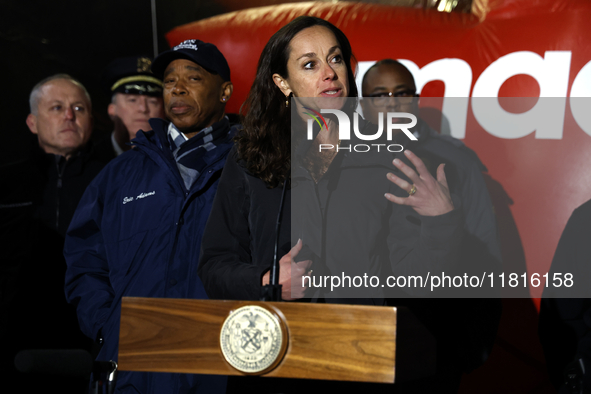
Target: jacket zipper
point(181, 220)
point(60, 173)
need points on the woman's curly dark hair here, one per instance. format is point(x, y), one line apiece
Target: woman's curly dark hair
point(264, 143)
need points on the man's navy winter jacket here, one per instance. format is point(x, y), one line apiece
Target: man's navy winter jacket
point(137, 232)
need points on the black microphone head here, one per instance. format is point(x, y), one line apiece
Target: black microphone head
point(65, 362)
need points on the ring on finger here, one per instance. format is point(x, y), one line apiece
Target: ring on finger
point(413, 190)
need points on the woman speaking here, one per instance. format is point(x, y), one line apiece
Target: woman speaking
point(343, 214)
point(337, 215)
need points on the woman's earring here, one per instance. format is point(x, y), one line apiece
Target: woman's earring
point(287, 100)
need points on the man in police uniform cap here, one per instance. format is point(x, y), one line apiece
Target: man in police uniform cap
point(136, 96)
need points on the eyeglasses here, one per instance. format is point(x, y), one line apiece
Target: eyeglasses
point(402, 97)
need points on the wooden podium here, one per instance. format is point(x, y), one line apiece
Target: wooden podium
point(324, 341)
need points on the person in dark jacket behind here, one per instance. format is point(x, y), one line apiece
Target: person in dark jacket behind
point(138, 228)
point(565, 310)
point(37, 200)
point(388, 86)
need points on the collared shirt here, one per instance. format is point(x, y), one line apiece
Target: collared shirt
point(116, 146)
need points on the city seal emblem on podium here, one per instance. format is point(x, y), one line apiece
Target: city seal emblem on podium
point(253, 339)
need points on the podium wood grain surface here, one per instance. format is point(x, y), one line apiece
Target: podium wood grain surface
point(326, 341)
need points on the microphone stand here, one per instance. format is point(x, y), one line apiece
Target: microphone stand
point(272, 291)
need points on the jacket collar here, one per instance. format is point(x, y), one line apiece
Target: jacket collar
point(156, 141)
point(74, 165)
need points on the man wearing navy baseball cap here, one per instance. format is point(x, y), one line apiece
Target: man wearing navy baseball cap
point(196, 81)
point(138, 228)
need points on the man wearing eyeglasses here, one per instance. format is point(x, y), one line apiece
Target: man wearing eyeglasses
point(388, 86)
point(463, 328)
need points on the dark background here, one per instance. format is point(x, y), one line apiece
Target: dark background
point(39, 38)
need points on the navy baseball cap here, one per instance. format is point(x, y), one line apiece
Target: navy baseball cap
point(204, 54)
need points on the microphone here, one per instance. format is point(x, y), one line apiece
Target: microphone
point(272, 291)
